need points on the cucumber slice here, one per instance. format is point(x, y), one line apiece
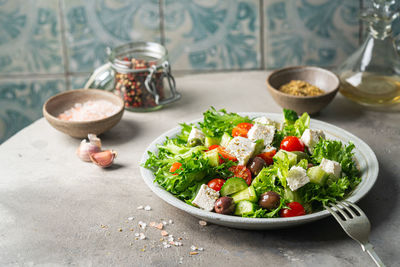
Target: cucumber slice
point(245, 207)
point(248, 194)
point(259, 147)
point(293, 196)
point(213, 157)
point(317, 175)
point(301, 155)
point(232, 186)
point(291, 156)
point(209, 141)
point(226, 138)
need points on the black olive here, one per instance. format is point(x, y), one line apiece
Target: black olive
point(256, 165)
point(269, 200)
point(224, 205)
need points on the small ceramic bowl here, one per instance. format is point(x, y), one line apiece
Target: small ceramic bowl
point(80, 129)
point(322, 78)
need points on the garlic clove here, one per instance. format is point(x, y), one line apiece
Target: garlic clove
point(104, 158)
point(94, 140)
point(86, 148)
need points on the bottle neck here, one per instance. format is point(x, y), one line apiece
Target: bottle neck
point(380, 18)
point(380, 29)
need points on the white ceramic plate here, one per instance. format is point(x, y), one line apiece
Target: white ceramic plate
point(364, 155)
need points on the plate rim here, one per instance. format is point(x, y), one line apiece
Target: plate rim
point(148, 177)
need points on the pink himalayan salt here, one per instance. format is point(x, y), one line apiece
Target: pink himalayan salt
point(89, 111)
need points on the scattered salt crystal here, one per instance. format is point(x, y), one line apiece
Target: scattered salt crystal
point(159, 226)
point(202, 223)
point(166, 245)
point(130, 218)
point(147, 208)
point(164, 233)
point(164, 222)
point(142, 236)
point(136, 234)
point(180, 260)
point(142, 225)
point(89, 111)
point(170, 238)
point(170, 222)
point(178, 244)
point(140, 207)
point(194, 248)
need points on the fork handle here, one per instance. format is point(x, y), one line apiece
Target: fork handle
point(371, 252)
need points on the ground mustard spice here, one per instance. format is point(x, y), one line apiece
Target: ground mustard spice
point(300, 88)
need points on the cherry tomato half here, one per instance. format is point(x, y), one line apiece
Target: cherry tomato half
point(174, 167)
point(213, 147)
point(295, 209)
point(268, 156)
point(216, 184)
point(292, 143)
point(242, 172)
point(241, 129)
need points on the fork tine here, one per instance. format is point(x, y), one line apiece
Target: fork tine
point(337, 217)
point(354, 207)
point(347, 208)
point(340, 210)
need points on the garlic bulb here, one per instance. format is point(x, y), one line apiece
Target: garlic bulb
point(104, 158)
point(86, 148)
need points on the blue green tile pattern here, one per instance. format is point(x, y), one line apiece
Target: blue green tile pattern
point(94, 25)
point(30, 39)
point(310, 32)
point(212, 34)
point(21, 103)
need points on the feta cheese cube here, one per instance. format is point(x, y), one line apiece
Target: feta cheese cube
point(205, 198)
point(296, 178)
point(311, 137)
point(331, 167)
point(266, 121)
point(242, 148)
point(263, 120)
point(261, 131)
point(195, 134)
point(268, 149)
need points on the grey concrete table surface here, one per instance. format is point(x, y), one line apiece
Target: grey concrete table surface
point(56, 210)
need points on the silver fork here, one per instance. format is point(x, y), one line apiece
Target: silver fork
point(356, 224)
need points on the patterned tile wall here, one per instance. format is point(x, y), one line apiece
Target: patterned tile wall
point(92, 25)
point(304, 32)
point(47, 46)
point(30, 38)
point(21, 102)
point(218, 34)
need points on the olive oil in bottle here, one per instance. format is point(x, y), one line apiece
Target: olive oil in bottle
point(371, 75)
point(371, 89)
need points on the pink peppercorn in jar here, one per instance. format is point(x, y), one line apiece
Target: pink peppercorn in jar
point(137, 72)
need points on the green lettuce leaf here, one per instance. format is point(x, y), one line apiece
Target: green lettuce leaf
point(293, 126)
point(217, 122)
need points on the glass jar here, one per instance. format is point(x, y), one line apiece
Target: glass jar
point(370, 76)
point(136, 72)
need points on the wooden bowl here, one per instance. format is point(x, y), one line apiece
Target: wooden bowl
point(59, 103)
point(322, 78)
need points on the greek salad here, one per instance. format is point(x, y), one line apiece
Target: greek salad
point(254, 167)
